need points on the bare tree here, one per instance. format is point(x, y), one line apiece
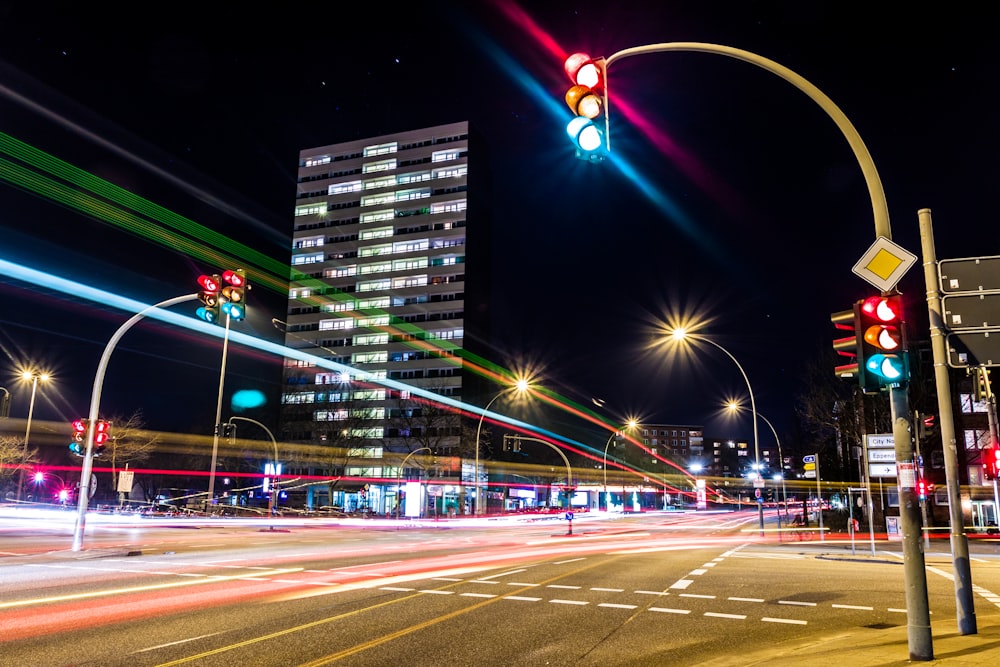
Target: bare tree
point(13, 455)
point(130, 443)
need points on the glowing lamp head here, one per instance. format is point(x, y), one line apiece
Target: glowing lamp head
point(208, 283)
point(583, 102)
point(883, 337)
point(584, 71)
point(881, 308)
point(585, 134)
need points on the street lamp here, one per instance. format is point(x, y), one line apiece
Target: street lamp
point(631, 424)
point(273, 496)
point(680, 334)
point(35, 377)
point(781, 460)
point(62, 494)
point(520, 386)
point(399, 473)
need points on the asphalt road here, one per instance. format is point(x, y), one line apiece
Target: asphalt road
point(653, 589)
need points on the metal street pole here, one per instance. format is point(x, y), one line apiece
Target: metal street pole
point(95, 405)
point(210, 498)
point(273, 500)
point(781, 463)
point(964, 602)
point(680, 334)
point(34, 376)
point(399, 473)
point(520, 386)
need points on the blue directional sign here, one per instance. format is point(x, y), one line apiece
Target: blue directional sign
point(809, 458)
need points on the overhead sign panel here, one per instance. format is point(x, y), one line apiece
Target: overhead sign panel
point(881, 469)
point(971, 311)
point(973, 348)
point(972, 274)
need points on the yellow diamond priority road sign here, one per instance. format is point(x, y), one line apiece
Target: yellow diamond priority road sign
point(884, 264)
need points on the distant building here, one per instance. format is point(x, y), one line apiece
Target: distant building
point(390, 276)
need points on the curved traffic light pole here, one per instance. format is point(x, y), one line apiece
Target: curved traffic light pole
point(918, 613)
point(95, 406)
point(879, 207)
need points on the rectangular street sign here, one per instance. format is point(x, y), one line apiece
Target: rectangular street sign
point(881, 469)
point(973, 348)
point(881, 455)
point(972, 274)
point(971, 311)
point(809, 466)
point(809, 474)
point(809, 458)
point(880, 440)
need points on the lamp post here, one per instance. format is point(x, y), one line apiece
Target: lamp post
point(520, 386)
point(781, 460)
point(35, 377)
point(273, 499)
point(631, 424)
point(399, 473)
point(680, 334)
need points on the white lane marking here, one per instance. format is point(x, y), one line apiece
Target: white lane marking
point(699, 571)
point(695, 595)
point(668, 610)
point(571, 560)
point(433, 591)
point(852, 606)
point(571, 588)
point(576, 602)
point(447, 579)
point(681, 583)
point(395, 588)
point(182, 641)
point(652, 592)
point(792, 621)
point(609, 590)
point(900, 611)
point(477, 595)
point(709, 564)
point(718, 615)
point(520, 583)
point(483, 581)
point(521, 597)
point(617, 606)
point(797, 603)
point(746, 599)
point(504, 574)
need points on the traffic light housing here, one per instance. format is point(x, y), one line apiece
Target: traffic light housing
point(924, 488)
point(78, 442)
point(927, 426)
point(209, 297)
point(102, 434)
point(847, 345)
point(881, 343)
point(234, 294)
point(587, 99)
point(991, 462)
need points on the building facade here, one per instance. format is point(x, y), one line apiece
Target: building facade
point(389, 277)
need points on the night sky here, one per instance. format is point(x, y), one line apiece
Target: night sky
point(732, 197)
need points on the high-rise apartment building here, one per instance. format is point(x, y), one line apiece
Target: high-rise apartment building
point(390, 276)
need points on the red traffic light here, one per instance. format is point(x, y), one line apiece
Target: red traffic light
point(991, 461)
point(102, 432)
point(585, 71)
point(209, 283)
point(234, 278)
point(883, 308)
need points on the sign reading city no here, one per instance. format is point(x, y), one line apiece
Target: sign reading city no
point(884, 264)
point(970, 307)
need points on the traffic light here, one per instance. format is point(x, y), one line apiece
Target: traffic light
point(881, 343)
point(991, 461)
point(234, 294)
point(927, 426)
point(846, 346)
point(587, 99)
point(102, 433)
point(922, 488)
point(209, 297)
point(78, 444)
